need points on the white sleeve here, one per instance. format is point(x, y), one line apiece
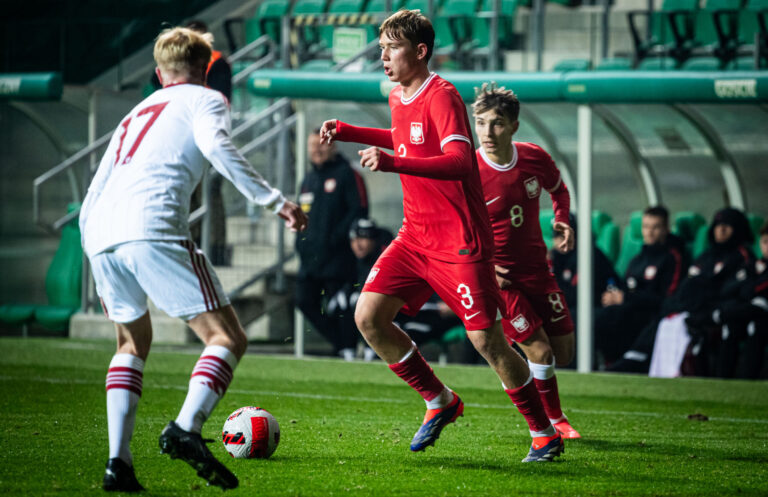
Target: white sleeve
point(211, 132)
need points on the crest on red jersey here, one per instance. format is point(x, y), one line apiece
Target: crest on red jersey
point(532, 187)
point(330, 185)
point(372, 275)
point(417, 133)
point(520, 323)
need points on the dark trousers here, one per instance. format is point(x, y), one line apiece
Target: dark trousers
point(312, 296)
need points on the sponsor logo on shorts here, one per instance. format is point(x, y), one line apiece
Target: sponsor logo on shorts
point(520, 323)
point(372, 275)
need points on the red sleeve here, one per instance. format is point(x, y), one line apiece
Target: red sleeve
point(375, 137)
point(449, 116)
point(454, 163)
point(553, 183)
point(561, 203)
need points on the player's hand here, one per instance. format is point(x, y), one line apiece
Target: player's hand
point(569, 238)
point(328, 131)
point(295, 219)
point(501, 277)
point(370, 158)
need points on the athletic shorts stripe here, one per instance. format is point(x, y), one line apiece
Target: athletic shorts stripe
point(195, 265)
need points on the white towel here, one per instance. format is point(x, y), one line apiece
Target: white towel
point(671, 341)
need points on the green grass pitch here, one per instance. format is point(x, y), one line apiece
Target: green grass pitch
point(346, 428)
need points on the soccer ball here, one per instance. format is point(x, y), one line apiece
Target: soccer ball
point(250, 432)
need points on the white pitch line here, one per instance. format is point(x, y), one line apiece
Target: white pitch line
point(301, 395)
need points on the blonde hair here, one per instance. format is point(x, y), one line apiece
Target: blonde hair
point(182, 50)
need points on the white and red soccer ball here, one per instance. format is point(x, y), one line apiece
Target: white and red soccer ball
point(250, 432)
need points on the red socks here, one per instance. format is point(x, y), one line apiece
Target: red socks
point(526, 399)
point(415, 371)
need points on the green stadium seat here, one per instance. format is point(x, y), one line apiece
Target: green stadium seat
point(608, 242)
point(343, 13)
point(481, 26)
point(268, 20)
point(747, 63)
point(686, 225)
point(702, 64)
point(658, 64)
point(380, 6)
point(756, 222)
point(306, 14)
point(701, 243)
point(631, 243)
point(671, 33)
point(63, 283)
point(318, 65)
point(573, 65)
point(615, 64)
point(453, 25)
point(753, 36)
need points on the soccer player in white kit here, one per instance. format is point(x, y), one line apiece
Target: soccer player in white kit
point(134, 224)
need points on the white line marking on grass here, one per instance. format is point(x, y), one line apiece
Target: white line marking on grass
point(301, 395)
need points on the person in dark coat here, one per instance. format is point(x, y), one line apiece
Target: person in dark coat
point(333, 195)
point(652, 275)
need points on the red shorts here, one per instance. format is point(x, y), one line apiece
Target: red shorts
point(470, 289)
point(528, 308)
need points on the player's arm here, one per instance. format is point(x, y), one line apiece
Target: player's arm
point(340, 131)
point(211, 133)
point(561, 202)
point(454, 163)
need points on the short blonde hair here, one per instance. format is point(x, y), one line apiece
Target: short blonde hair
point(182, 50)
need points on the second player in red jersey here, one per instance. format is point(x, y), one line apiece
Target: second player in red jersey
point(445, 243)
point(514, 176)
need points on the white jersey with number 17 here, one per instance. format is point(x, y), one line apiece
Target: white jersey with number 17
point(155, 159)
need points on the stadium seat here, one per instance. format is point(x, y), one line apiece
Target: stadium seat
point(63, 282)
point(615, 64)
point(608, 242)
point(756, 222)
point(481, 27)
point(453, 25)
point(380, 6)
point(686, 225)
point(671, 30)
point(702, 64)
point(753, 36)
point(306, 14)
point(268, 20)
point(573, 65)
point(657, 64)
point(701, 243)
point(631, 243)
point(343, 13)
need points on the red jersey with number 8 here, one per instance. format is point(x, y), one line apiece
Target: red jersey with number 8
point(512, 194)
point(444, 219)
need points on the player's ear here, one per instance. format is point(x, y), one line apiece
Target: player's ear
point(159, 75)
point(515, 126)
point(421, 51)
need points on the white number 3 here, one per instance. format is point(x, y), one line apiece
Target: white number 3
point(466, 296)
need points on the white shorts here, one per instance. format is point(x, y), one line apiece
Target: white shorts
point(176, 275)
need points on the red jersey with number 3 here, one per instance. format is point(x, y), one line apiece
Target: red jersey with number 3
point(512, 194)
point(444, 219)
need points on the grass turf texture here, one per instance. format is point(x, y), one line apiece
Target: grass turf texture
point(346, 429)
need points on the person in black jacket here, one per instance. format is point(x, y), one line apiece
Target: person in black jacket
point(714, 277)
point(652, 275)
point(333, 195)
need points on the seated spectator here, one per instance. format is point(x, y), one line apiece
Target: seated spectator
point(652, 275)
point(714, 277)
point(564, 267)
point(741, 320)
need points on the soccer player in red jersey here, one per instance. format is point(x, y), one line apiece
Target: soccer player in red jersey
point(513, 175)
point(445, 242)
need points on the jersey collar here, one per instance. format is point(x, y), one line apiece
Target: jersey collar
point(423, 87)
point(501, 167)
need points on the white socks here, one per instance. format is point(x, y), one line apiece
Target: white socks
point(124, 384)
point(542, 371)
point(209, 381)
point(442, 400)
